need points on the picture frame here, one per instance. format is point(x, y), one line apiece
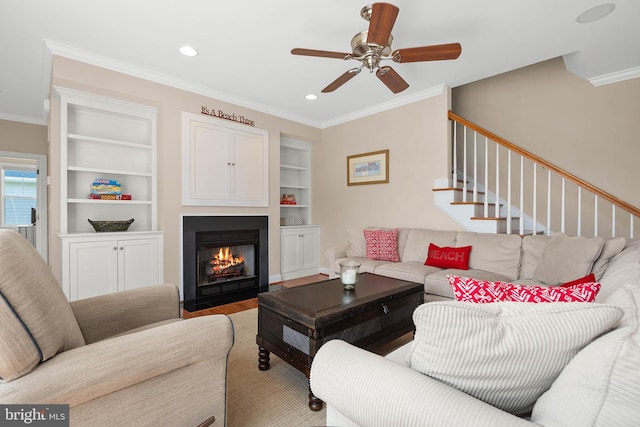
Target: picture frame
point(368, 168)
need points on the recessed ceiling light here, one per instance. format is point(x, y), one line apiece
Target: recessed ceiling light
point(311, 97)
point(188, 51)
point(595, 13)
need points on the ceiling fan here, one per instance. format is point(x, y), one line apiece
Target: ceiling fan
point(372, 46)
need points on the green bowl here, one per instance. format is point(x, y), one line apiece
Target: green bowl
point(106, 226)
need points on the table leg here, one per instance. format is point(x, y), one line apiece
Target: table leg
point(263, 359)
point(315, 404)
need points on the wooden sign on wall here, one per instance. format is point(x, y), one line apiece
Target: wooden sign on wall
point(222, 115)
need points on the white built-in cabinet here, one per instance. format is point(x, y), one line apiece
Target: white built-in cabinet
point(299, 244)
point(223, 163)
point(299, 251)
point(295, 179)
point(107, 138)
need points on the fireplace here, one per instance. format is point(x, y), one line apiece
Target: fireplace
point(225, 259)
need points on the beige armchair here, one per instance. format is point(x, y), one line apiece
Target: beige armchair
point(120, 359)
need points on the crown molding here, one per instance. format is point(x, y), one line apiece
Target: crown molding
point(76, 54)
point(395, 103)
point(615, 77)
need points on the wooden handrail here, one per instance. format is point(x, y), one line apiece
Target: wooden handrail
point(595, 190)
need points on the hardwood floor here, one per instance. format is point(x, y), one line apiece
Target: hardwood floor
point(251, 303)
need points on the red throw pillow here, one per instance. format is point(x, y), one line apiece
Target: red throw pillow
point(478, 291)
point(447, 257)
point(591, 278)
point(382, 245)
point(584, 292)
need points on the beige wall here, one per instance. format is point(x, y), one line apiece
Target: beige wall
point(416, 136)
point(170, 103)
point(592, 132)
point(23, 137)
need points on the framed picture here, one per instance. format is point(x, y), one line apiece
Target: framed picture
point(368, 168)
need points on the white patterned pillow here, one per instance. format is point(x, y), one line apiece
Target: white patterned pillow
point(506, 353)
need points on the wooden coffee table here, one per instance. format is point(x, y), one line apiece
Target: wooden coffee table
point(294, 323)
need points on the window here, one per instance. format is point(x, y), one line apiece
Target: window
point(19, 194)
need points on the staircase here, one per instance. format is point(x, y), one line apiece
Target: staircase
point(498, 187)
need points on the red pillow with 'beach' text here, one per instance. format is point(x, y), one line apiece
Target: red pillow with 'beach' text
point(448, 257)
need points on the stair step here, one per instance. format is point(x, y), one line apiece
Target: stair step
point(493, 218)
point(474, 203)
point(454, 189)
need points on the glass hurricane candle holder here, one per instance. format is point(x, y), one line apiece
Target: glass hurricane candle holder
point(349, 272)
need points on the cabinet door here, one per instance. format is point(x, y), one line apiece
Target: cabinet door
point(249, 167)
point(93, 269)
point(309, 249)
point(210, 162)
point(289, 251)
point(137, 263)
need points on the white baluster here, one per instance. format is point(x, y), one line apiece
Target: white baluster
point(521, 224)
point(579, 211)
point(486, 177)
point(509, 192)
point(535, 199)
point(562, 208)
point(454, 172)
point(548, 202)
point(464, 168)
point(595, 215)
point(475, 166)
point(613, 220)
point(497, 201)
point(631, 226)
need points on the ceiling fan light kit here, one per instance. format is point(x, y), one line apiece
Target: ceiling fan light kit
point(372, 46)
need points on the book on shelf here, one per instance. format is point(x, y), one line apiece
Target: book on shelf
point(110, 196)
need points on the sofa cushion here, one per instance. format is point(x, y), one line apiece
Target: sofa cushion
point(583, 292)
point(448, 257)
point(589, 278)
point(566, 258)
point(611, 248)
point(34, 309)
point(601, 385)
point(382, 245)
point(356, 245)
point(623, 269)
point(438, 284)
point(366, 265)
point(409, 271)
point(418, 241)
point(532, 250)
point(504, 353)
point(497, 253)
point(467, 289)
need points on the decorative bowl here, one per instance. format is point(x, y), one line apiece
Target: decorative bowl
point(105, 226)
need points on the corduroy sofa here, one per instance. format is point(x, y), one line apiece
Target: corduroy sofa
point(123, 359)
point(503, 363)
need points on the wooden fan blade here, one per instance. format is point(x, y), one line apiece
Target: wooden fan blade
point(428, 53)
point(391, 79)
point(320, 53)
point(340, 81)
point(383, 16)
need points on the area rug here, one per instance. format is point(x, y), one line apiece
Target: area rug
point(278, 396)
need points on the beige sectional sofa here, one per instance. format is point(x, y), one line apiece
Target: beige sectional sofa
point(536, 259)
point(501, 364)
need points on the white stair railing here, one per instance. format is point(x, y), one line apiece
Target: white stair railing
point(566, 203)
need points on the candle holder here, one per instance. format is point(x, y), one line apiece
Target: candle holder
point(349, 272)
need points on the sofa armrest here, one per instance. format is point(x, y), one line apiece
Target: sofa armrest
point(89, 372)
point(373, 391)
point(109, 315)
point(331, 255)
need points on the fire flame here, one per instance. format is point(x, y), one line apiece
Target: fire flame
point(223, 260)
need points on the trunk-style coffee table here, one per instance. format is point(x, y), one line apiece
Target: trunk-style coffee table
point(294, 323)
